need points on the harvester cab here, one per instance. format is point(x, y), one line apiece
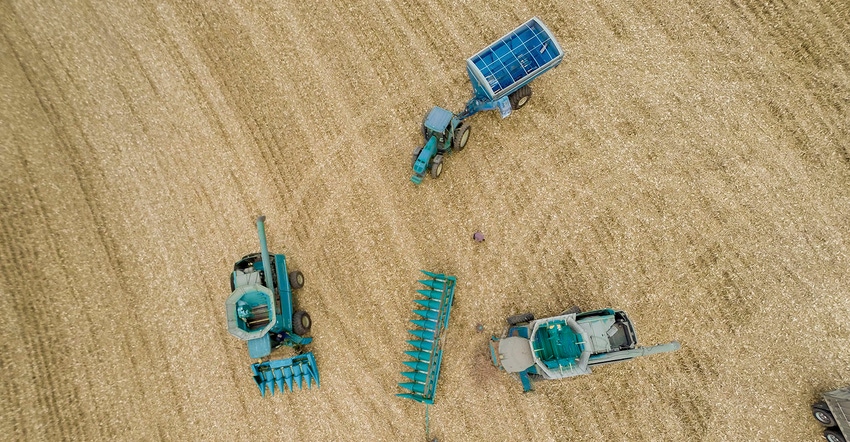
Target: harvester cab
point(500, 75)
point(260, 312)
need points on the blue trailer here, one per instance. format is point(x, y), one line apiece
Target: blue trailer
point(259, 311)
point(500, 75)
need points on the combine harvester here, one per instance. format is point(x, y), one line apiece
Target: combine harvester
point(500, 75)
point(567, 345)
point(260, 312)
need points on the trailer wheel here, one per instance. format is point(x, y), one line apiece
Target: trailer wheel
point(461, 137)
point(821, 412)
point(520, 97)
point(437, 166)
point(301, 323)
point(416, 153)
point(519, 319)
point(833, 435)
point(296, 279)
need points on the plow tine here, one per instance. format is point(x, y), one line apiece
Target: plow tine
point(422, 345)
point(434, 284)
point(413, 386)
point(428, 314)
point(416, 365)
point(424, 356)
point(429, 304)
point(427, 335)
point(427, 325)
point(416, 376)
point(432, 294)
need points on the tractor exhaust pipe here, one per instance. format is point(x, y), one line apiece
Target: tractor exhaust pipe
point(264, 250)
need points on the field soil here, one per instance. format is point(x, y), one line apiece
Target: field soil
point(688, 162)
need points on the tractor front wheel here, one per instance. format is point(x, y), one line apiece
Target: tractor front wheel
point(519, 319)
point(416, 153)
point(437, 167)
point(461, 137)
point(296, 279)
point(301, 323)
point(520, 97)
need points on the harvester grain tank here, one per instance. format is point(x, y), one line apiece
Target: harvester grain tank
point(260, 312)
point(500, 75)
point(567, 345)
point(833, 412)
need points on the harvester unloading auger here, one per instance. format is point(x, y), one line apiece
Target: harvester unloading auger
point(500, 75)
point(260, 312)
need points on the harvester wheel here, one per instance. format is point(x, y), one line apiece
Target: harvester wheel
point(833, 435)
point(519, 319)
point(416, 153)
point(437, 166)
point(520, 97)
point(296, 279)
point(821, 412)
point(301, 323)
point(461, 137)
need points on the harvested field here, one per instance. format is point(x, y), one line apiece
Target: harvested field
point(688, 163)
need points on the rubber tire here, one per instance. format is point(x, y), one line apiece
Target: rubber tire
point(296, 279)
point(461, 137)
point(519, 319)
point(437, 167)
point(572, 310)
point(298, 320)
point(833, 435)
point(520, 98)
point(416, 153)
point(826, 418)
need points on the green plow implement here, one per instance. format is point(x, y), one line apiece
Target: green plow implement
point(428, 343)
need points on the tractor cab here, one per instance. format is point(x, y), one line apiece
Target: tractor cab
point(438, 124)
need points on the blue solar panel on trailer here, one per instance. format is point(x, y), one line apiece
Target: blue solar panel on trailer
point(516, 56)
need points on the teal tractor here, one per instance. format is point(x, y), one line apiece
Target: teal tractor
point(567, 345)
point(260, 312)
point(500, 75)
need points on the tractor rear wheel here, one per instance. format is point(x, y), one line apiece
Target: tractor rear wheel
point(296, 279)
point(301, 323)
point(461, 137)
point(416, 153)
point(520, 97)
point(437, 166)
point(821, 412)
point(833, 435)
point(519, 319)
